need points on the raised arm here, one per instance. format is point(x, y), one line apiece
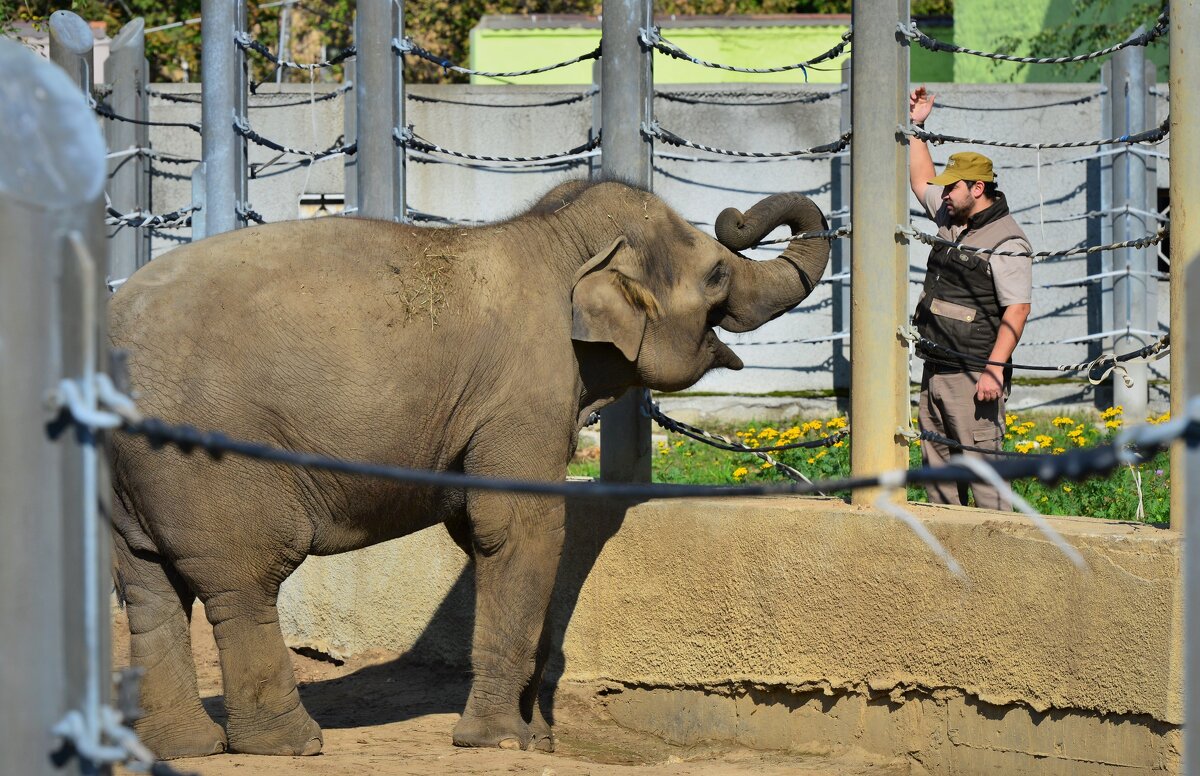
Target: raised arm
point(920, 163)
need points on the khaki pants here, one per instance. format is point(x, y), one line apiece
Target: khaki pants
point(948, 407)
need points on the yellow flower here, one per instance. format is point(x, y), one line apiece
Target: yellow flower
point(1075, 433)
point(1010, 419)
point(766, 465)
point(1008, 436)
point(1067, 488)
point(1043, 440)
point(1113, 423)
point(1080, 441)
point(1058, 450)
point(1024, 447)
point(1163, 418)
point(839, 444)
point(1063, 421)
point(1044, 499)
point(1112, 412)
point(812, 460)
point(768, 433)
point(838, 422)
point(679, 443)
point(821, 454)
point(740, 472)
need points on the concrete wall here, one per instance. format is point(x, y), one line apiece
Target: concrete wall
point(810, 625)
point(500, 121)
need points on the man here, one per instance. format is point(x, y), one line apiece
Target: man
point(974, 303)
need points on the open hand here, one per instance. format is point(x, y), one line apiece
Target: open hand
point(920, 105)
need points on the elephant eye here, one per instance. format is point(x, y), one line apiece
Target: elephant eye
point(717, 276)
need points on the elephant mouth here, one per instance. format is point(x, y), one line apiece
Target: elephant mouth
point(722, 354)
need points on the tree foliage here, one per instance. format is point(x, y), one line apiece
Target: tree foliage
point(321, 26)
point(1090, 26)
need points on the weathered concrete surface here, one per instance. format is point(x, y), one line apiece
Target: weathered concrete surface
point(804, 623)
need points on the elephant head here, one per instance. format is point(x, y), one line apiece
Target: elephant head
point(659, 287)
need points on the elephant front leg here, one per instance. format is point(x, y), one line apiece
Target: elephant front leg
point(517, 543)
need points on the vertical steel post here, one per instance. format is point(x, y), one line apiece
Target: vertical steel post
point(350, 133)
point(879, 404)
point(1185, 347)
point(241, 106)
point(219, 66)
point(1099, 232)
point(626, 103)
point(595, 165)
point(840, 259)
point(375, 99)
point(54, 567)
point(285, 16)
point(71, 48)
point(1130, 287)
point(399, 176)
point(128, 184)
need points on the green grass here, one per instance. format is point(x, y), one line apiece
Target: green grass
point(1114, 497)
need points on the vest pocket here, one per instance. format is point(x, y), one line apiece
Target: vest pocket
point(953, 311)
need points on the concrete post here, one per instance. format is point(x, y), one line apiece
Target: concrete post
point(626, 103)
point(840, 258)
point(879, 404)
point(224, 155)
point(1128, 98)
point(129, 176)
point(71, 48)
point(375, 99)
point(595, 163)
point(54, 567)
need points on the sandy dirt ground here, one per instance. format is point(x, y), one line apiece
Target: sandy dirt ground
point(381, 715)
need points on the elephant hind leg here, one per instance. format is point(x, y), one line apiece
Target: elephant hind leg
point(266, 715)
point(174, 723)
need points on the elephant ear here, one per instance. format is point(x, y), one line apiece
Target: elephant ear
point(608, 301)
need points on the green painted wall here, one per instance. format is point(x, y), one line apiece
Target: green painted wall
point(980, 24)
point(498, 50)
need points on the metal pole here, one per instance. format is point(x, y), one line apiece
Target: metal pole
point(626, 103)
point(350, 133)
point(219, 66)
point(241, 107)
point(71, 48)
point(1130, 290)
point(375, 95)
point(54, 567)
point(1185, 349)
point(879, 404)
point(125, 73)
point(840, 259)
point(1099, 232)
point(284, 49)
point(399, 183)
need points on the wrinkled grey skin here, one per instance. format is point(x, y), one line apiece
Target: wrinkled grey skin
point(477, 350)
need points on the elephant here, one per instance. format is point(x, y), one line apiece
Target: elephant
point(481, 350)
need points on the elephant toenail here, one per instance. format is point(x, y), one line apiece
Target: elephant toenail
point(510, 743)
point(312, 747)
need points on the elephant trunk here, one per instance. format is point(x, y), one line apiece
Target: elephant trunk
point(764, 290)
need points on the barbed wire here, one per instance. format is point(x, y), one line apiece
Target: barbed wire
point(652, 38)
point(828, 234)
point(1133, 445)
point(933, 241)
point(108, 113)
point(589, 93)
point(138, 218)
point(242, 128)
point(1098, 369)
point(1147, 136)
point(656, 414)
point(246, 43)
point(1006, 108)
point(747, 98)
point(409, 139)
point(407, 45)
point(338, 92)
point(676, 157)
point(655, 130)
point(249, 214)
point(1161, 26)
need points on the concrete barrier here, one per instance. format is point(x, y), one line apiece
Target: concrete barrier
point(807, 624)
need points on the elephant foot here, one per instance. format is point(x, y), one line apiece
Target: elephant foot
point(291, 734)
point(505, 731)
point(543, 734)
point(172, 736)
